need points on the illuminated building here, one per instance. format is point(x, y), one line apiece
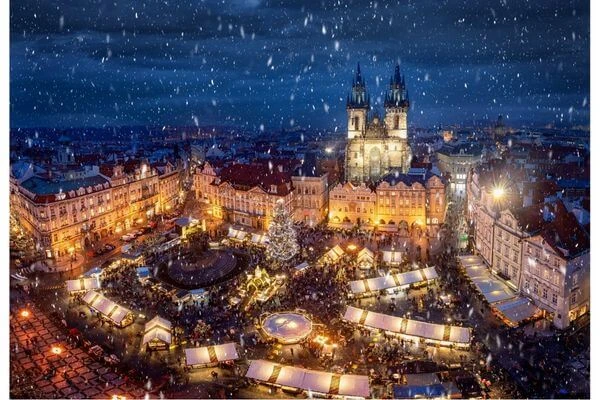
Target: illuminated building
point(413, 202)
point(70, 211)
point(376, 147)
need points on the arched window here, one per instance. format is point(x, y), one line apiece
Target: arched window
point(397, 122)
point(356, 120)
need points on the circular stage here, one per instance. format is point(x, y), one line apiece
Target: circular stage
point(287, 327)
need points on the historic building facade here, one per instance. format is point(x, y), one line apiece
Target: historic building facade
point(71, 212)
point(377, 146)
point(405, 203)
point(243, 194)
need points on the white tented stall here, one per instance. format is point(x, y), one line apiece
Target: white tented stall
point(302, 266)
point(157, 333)
point(392, 281)
point(391, 256)
point(117, 314)
point(411, 329)
point(204, 356)
point(365, 258)
point(83, 284)
point(236, 234)
point(315, 381)
point(333, 255)
point(259, 238)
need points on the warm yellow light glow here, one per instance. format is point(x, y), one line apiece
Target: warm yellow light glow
point(351, 247)
point(498, 192)
point(293, 324)
point(24, 313)
point(56, 350)
point(140, 220)
point(118, 229)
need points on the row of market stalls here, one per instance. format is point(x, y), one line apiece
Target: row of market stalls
point(392, 281)
point(241, 235)
point(444, 335)
point(210, 355)
point(506, 304)
point(317, 382)
point(80, 285)
point(365, 258)
point(111, 311)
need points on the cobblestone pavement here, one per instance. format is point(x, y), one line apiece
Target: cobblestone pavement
point(36, 372)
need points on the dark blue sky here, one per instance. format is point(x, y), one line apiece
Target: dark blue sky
point(281, 63)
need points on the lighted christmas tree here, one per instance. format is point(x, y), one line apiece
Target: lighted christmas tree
point(282, 235)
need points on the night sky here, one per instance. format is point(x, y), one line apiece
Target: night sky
point(285, 63)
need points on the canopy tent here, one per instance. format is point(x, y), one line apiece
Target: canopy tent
point(259, 238)
point(490, 286)
point(365, 258)
point(198, 293)
point(442, 334)
point(210, 354)
point(143, 273)
point(157, 333)
point(310, 380)
point(436, 390)
point(392, 256)
point(236, 234)
point(117, 314)
point(83, 284)
point(517, 310)
point(301, 267)
point(333, 255)
point(393, 281)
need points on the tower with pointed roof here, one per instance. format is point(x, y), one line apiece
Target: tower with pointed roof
point(357, 106)
point(377, 146)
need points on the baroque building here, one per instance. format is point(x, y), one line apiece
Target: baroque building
point(376, 146)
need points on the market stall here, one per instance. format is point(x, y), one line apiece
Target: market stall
point(157, 334)
point(320, 382)
point(393, 281)
point(210, 355)
point(445, 335)
point(391, 256)
point(82, 285)
point(111, 311)
point(365, 259)
point(333, 255)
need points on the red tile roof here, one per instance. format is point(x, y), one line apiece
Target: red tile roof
point(247, 176)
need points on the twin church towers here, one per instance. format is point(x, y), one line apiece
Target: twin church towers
point(376, 147)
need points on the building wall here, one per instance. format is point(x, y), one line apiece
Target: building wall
point(63, 226)
point(311, 199)
point(457, 167)
point(394, 208)
point(367, 159)
point(508, 246)
point(555, 283)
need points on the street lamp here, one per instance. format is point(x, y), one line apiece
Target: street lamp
point(56, 350)
point(25, 313)
point(498, 192)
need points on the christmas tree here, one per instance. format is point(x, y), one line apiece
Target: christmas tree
point(282, 235)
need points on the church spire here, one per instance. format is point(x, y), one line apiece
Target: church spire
point(358, 97)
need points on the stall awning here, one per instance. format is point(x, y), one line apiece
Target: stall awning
point(393, 281)
point(392, 256)
point(77, 285)
point(106, 307)
point(157, 328)
point(365, 256)
point(518, 309)
point(333, 254)
point(310, 380)
point(302, 266)
point(403, 326)
point(211, 354)
point(258, 238)
point(493, 288)
point(143, 272)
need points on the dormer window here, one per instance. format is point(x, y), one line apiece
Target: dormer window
point(273, 189)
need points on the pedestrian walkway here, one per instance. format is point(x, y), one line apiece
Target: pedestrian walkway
point(45, 365)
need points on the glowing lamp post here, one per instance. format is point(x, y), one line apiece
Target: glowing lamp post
point(25, 313)
point(56, 350)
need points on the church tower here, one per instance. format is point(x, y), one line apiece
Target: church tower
point(357, 106)
point(396, 106)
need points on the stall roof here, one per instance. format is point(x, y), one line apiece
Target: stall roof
point(157, 328)
point(426, 330)
point(392, 256)
point(106, 307)
point(143, 272)
point(211, 354)
point(77, 285)
point(365, 255)
point(302, 266)
point(393, 281)
point(306, 379)
point(518, 309)
point(416, 391)
point(493, 288)
point(334, 254)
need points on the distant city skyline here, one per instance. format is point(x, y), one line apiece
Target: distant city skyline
point(262, 63)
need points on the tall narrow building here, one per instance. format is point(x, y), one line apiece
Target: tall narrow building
point(375, 146)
